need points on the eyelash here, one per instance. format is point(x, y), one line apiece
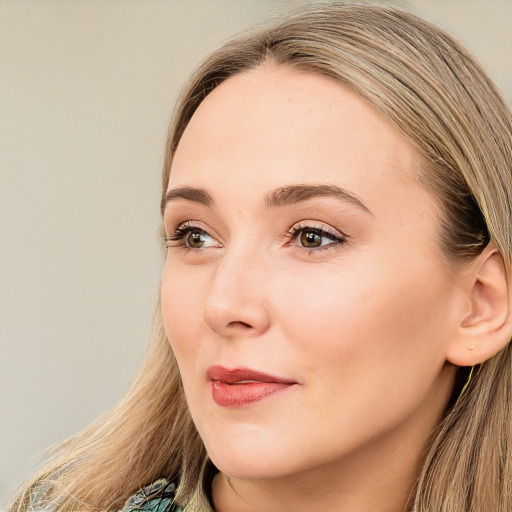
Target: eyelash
point(183, 230)
point(180, 235)
point(337, 239)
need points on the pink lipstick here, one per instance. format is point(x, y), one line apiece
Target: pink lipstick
point(241, 386)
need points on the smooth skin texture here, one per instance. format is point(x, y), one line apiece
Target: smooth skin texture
point(360, 315)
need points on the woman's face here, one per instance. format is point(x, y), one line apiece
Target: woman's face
point(304, 293)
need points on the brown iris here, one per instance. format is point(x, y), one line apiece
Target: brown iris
point(195, 239)
point(310, 239)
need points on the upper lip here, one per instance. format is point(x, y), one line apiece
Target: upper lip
point(237, 375)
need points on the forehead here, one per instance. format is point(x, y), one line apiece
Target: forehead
point(273, 125)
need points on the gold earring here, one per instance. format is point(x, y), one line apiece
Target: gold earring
point(465, 385)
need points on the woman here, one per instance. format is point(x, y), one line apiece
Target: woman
point(335, 303)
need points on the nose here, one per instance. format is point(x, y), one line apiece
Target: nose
point(237, 302)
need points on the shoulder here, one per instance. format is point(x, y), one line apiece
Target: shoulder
point(156, 497)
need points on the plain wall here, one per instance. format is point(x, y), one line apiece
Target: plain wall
point(86, 92)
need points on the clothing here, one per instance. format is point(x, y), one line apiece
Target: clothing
point(156, 497)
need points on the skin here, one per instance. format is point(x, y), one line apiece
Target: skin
point(361, 325)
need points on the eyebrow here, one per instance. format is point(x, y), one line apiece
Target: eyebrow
point(294, 194)
point(283, 196)
point(196, 195)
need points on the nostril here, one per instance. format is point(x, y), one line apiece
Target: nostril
point(240, 324)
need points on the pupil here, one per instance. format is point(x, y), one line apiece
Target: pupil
point(195, 240)
point(310, 239)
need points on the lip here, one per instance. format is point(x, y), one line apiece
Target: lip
point(241, 387)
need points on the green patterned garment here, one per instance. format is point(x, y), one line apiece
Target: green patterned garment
point(157, 497)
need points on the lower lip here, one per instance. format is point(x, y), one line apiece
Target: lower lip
point(242, 395)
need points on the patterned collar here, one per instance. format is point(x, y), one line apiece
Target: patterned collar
point(156, 497)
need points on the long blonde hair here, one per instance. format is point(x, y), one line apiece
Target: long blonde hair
point(432, 90)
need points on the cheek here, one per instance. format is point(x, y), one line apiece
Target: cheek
point(180, 296)
point(369, 349)
point(364, 322)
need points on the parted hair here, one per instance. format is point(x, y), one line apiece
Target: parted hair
point(432, 90)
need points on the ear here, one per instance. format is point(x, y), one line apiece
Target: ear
point(484, 326)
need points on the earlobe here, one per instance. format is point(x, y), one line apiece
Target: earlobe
point(485, 327)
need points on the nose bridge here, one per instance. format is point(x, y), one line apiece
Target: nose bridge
point(236, 301)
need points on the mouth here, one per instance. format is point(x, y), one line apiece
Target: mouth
point(241, 387)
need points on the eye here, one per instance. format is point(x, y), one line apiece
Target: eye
point(190, 237)
point(196, 239)
point(310, 237)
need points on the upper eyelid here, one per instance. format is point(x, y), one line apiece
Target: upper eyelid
point(189, 224)
point(318, 225)
point(296, 226)
point(176, 215)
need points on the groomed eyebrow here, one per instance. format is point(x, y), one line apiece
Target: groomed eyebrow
point(196, 195)
point(294, 194)
point(283, 196)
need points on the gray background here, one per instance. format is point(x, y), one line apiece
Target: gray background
point(86, 90)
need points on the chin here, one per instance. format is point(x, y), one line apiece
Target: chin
point(251, 460)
